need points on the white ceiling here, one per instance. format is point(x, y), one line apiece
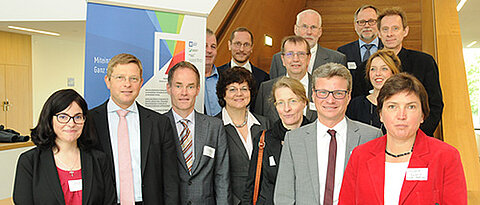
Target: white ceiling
point(469, 16)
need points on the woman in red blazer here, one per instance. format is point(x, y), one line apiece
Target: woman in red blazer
point(405, 166)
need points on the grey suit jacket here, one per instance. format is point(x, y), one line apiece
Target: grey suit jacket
point(239, 160)
point(264, 104)
point(297, 181)
point(323, 55)
point(209, 183)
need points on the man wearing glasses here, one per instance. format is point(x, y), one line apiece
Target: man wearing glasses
point(241, 47)
point(295, 58)
point(139, 142)
point(314, 156)
point(393, 29)
point(365, 23)
point(308, 26)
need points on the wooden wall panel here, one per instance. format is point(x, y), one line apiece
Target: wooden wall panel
point(337, 16)
point(275, 18)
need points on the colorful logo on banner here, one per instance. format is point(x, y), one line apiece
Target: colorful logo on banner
point(170, 49)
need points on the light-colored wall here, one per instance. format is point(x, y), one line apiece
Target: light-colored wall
point(8, 160)
point(54, 60)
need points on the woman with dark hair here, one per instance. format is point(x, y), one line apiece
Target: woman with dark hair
point(405, 166)
point(62, 169)
point(381, 65)
point(289, 98)
point(235, 90)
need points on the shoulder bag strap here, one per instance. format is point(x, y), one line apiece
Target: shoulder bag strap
point(261, 145)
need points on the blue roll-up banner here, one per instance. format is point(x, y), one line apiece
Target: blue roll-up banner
point(159, 39)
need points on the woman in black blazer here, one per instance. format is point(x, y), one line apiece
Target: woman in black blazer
point(62, 169)
point(235, 91)
point(290, 101)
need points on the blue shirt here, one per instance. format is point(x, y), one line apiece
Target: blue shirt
point(212, 107)
point(373, 49)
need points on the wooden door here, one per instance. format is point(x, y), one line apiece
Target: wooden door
point(19, 95)
point(2, 96)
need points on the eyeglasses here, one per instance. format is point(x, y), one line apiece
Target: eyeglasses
point(337, 94)
point(290, 103)
point(239, 44)
point(305, 27)
point(122, 78)
point(234, 90)
point(370, 22)
point(64, 118)
point(300, 54)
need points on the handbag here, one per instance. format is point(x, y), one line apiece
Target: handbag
point(261, 146)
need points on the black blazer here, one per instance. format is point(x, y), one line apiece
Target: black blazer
point(37, 182)
point(160, 181)
point(239, 161)
point(268, 176)
point(424, 68)
point(352, 51)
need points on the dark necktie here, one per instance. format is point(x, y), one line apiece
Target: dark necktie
point(332, 159)
point(367, 53)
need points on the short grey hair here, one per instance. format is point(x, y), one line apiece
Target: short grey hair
point(309, 11)
point(330, 70)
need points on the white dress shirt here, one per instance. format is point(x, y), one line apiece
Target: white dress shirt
point(246, 65)
point(323, 146)
point(191, 127)
point(251, 120)
point(394, 175)
point(133, 124)
point(313, 54)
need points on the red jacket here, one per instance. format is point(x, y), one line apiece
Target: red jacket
point(364, 177)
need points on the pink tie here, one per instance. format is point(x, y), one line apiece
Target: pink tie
point(124, 161)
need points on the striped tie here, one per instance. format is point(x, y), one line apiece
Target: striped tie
point(186, 142)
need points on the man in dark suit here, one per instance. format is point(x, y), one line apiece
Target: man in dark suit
point(392, 24)
point(295, 57)
point(314, 156)
point(365, 23)
point(143, 153)
point(308, 26)
point(202, 155)
point(241, 46)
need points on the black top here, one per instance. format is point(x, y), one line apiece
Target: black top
point(271, 158)
point(424, 68)
point(361, 109)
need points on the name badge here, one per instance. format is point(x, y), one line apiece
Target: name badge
point(351, 65)
point(209, 151)
point(417, 174)
point(311, 105)
point(75, 185)
point(272, 161)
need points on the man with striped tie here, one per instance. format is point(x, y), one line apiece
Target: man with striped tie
point(202, 153)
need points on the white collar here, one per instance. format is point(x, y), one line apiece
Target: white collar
point(177, 117)
point(113, 107)
point(251, 120)
point(247, 65)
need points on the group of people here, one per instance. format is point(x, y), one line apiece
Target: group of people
point(351, 126)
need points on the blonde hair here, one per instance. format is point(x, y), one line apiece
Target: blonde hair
point(293, 84)
point(387, 56)
point(123, 58)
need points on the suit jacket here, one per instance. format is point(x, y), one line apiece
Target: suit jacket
point(323, 55)
point(268, 175)
point(352, 51)
point(297, 181)
point(239, 160)
point(424, 68)
point(364, 178)
point(37, 182)
point(264, 105)
point(209, 183)
point(258, 74)
point(160, 181)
